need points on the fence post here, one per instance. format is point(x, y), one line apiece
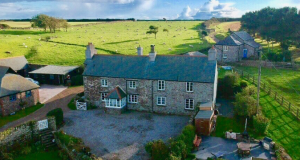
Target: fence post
point(289, 106)
point(282, 101)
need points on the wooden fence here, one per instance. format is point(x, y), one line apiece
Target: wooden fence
point(271, 92)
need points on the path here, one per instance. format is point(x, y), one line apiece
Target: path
point(59, 101)
point(213, 36)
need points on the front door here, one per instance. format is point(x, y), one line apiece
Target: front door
point(245, 53)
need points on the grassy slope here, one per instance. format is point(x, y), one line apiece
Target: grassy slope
point(19, 114)
point(282, 81)
point(41, 155)
point(222, 29)
point(69, 47)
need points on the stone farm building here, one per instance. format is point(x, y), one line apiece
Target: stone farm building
point(169, 84)
point(237, 46)
point(16, 92)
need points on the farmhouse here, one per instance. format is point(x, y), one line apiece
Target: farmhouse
point(152, 83)
point(18, 64)
point(54, 74)
point(237, 46)
point(16, 92)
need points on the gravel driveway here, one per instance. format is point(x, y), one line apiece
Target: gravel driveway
point(121, 136)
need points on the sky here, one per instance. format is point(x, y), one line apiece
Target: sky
point(139, 9)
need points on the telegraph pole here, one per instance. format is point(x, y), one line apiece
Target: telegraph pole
point(259, 78)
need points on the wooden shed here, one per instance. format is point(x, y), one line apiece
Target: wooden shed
point(207, 106)
point(204, 122)
point(55, 75)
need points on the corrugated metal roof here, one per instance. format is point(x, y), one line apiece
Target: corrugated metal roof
point(172, 68)
point(60, 70)
point(204, 114)
point(13, 83)
point(243, 35)
point(16, 63)
point(229, 41)
point(117, 93)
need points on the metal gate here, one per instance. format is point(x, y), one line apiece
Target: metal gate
point(43, 124)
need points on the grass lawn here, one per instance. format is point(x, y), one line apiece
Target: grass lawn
point(28, 24)
point(19, 114)
point(282, 81)
point(68, 48)
point(40, 155)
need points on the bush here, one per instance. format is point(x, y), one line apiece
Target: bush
point(72, 105)
point(26, 150)
point(4, 26)
point(261, 124)
point(178, 149)
point(77, 80)
point(243, 84)
point(90, 107)
point(228, 85)
point(188, 135)
point(58, 114)
point(204, 33)
point(158, 150)
point(245, 103)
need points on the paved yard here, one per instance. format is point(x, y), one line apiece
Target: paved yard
point(49, 91)
point(229, 147)
point(121, 136)
point(226, 108)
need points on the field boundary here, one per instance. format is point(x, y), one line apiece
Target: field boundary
point(273, 94)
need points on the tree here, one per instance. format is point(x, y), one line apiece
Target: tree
point(41, 21)
point(64, 24)
point(152, 30)
point(245, 103)
point(260, 123)
point(204, 33)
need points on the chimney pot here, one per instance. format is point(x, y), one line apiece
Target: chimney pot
point(140, 50)
point(152, 54)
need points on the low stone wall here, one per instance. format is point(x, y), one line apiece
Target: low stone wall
point(26, 131)
point(255, 63)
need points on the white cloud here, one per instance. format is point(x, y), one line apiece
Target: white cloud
point(212, 8)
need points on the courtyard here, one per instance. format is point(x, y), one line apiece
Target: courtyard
point(122, 136)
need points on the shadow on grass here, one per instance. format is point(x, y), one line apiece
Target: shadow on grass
point(123, 41)
point(79, 45)
point(25, 32)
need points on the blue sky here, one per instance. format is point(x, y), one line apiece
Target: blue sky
point(140, 9)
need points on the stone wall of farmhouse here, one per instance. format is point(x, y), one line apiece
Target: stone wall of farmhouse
point(8, 107)
point(251, 51)
point(147, 92)
point(232, 53)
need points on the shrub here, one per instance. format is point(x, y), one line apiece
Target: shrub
point(204, 33)
point(77, 80)
point(243, 84)
point(72, 105)
point(228, 85)
point(188, 135)
point(158, 150)
point(90, 107)
point(58, 114)
point(191, 157)
point(63, 155)
point(260, 123)
point(178, 149)
point(26, 150)
point(4, 26)
point(245, 104)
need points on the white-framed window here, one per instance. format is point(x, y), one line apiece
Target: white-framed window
point(189, 86)
point(189, 104)
point(103, 95)
point(161, 85)
point(132, 98)
point(225, 56)
point(132, 84)
point(161, 101)
point(225, 48)
point(104, 83)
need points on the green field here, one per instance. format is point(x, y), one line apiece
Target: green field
point(68, 48)
point(28, 24)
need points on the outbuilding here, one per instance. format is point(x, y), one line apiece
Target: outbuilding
point(55, 75)
point(204, 122)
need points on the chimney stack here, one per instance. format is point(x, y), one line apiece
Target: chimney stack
point(152, 54)
point(212, 54)
point(140, 50)
point(90, 51)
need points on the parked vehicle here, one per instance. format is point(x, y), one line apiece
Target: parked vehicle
point(32, 80)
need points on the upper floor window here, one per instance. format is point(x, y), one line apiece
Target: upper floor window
point(161, 101)
point(161, 85)
point(28, 93)
point(132, 84)
point(103, 95)
point(104, 82)
point(225, 48)
point(51, 76)
point(13, 97)
point(189, 104)
point(132, 98)
point(189, 86)
point(225, 56)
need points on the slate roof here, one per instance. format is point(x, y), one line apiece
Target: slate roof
point(253, 44)
point(206, 104)
point(13, 83)
point(229, 41)
point(116, 93)
point(171, 68)
point(59, 70)
point(204, 114)
point(16, 63)
point(243, 35)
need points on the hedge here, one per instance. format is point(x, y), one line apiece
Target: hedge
point(261, 123)
point(58, 114)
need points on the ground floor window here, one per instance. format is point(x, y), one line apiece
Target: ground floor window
point(115, 103)
point(132, 98)
point(161, 101)
point(225, 56)
point(103, 95)
point(28, 93)
point(189, 104)
point(13, 97)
